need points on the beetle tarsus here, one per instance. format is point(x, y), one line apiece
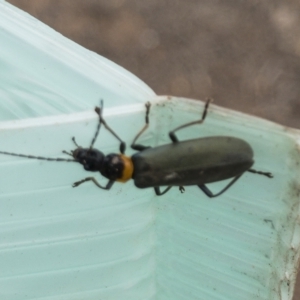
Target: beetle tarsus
point(97, 110)
point(148, 105)
point(181, 189)
point(107, 187)
point(209, 193)
point(267, 174)
point(159, 193)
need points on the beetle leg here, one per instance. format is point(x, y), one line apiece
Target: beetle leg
point(107, 187)
point(159, 193)
point(172, 135)
point(209, 193)
point(138, 147)
point(99, 111)
point(268, 174)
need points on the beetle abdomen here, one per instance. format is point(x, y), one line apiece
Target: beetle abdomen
point(192, 162)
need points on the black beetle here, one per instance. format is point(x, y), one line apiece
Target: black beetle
point(192, 162)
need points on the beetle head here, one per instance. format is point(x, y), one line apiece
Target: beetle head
point(91, 159)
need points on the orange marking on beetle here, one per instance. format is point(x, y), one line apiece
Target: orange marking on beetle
point(128, 168)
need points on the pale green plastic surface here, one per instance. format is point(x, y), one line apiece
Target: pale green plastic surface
point(42, 73)
point(59, 242)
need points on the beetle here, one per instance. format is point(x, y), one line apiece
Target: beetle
point(180, 163)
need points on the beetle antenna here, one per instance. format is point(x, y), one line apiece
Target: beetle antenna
point(99, 112)
point(37, 157)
